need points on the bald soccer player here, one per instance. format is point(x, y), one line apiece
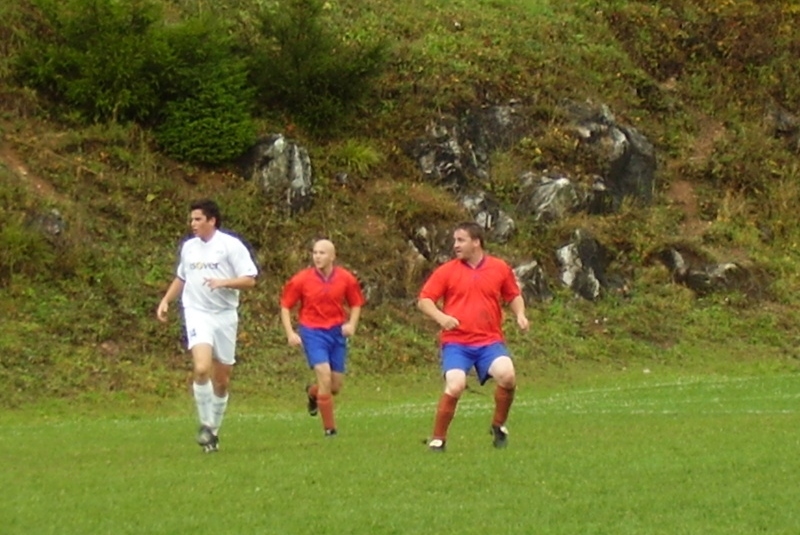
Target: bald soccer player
point(322, 291)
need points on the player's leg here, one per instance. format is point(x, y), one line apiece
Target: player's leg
point(224, 357)
point(323, 376)
point(502, 370)
point(323, 373)
point(316, 345)
point(203, 390)
point(199, 343)
point(337, 354)
point(337, 381)
point(219, 401)
point(456, 360)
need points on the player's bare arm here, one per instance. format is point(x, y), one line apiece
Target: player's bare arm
point(517, 306)
point(291, 335)
point(429, 308)
point(239, 283)
point(174, 290)
point(349, 328)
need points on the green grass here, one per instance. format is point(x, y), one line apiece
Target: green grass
point(632, 453)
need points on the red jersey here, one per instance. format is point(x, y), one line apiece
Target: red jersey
point(322, 299)
point(473, 296)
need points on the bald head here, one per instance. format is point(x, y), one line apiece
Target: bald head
point(323, 255)
point(326, 245)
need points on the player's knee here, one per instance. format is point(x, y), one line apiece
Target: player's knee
point(502, 370)
point(504, 375)
point(455, 388)
point(220, 390)
point(202, 374)
point(509, 381)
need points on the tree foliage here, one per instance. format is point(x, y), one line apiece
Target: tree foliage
point(101, 59)
point(308, 68)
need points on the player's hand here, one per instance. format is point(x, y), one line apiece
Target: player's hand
point(213, 284)
point(522, 321)
point(294, 339)
point(161, 313)
point(448, 323)
point(348, 330)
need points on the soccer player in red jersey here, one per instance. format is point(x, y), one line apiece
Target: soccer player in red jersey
point(323, 291)
point(472, 288)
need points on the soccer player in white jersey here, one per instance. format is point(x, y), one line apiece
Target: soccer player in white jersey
point(212, 268)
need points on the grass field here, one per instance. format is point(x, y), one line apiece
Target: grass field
point(643, 455)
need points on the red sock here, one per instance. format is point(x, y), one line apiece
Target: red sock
point(325, 404)
point(444, 415)
point(312, 391)
point(503, 398)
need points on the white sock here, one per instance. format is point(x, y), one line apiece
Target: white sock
point(218, 406)
point(202, 398)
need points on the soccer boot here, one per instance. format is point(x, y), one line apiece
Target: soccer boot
point(436, 444)
point(499, 436)
point(312, 402)
point(205, 435)
point(212, 446)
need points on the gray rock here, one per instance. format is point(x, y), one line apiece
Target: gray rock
point(532, 281)
point(583, 265)
point(487, 213)
point(283, 169)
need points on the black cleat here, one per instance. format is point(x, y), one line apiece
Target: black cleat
point(312, 402)
point(499, 436)
point(212, 446)
point(331, 432)
point(205, 435)
point(436, 444)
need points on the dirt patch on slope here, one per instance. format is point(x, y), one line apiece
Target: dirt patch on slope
point(12, 161)
point(683, 193)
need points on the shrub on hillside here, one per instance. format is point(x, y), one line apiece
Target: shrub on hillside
point(99, 58)
point(309, 69)
point(211, 126)
point(206, 118)
point(116, 61)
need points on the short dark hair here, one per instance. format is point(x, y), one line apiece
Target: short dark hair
point(474, 230)
point(209, 208)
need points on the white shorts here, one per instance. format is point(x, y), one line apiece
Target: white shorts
point(218, 329)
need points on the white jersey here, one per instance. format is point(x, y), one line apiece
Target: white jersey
point(222, 257)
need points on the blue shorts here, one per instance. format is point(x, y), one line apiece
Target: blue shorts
point(464, 357)
point(324, 346)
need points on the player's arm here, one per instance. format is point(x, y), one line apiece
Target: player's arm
point(243, 266)
point(291, 335)
point(349, 328)
point(429, 308)
point(174, 290)
point(238, 283)
point(517, 306)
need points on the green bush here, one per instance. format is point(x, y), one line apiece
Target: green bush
point(211, 127)
point(99, 58)
point(308, 69)
point(206, 118)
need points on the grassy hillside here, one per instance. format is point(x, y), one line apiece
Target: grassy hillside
point(695, 77)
